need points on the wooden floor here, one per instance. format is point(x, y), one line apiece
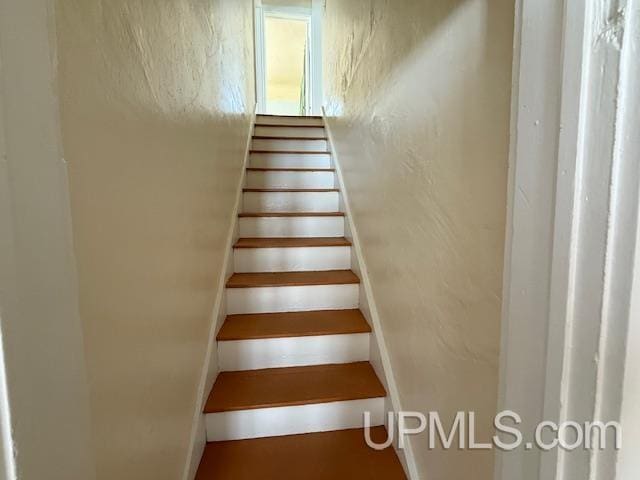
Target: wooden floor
point(339, 455)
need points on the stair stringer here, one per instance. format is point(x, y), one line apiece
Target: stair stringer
point(379, 354)
point(210, 366)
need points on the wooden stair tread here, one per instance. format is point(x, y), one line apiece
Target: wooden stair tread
point(266, 169)
point(279, 387)
point(288, 116)
point(292, 324)
point(292, 242)
point(290, 190)
point(297, 152)
point(292, 279)
point(334, 455)
point(280, 125)
point(273, 137)
point(291, 214)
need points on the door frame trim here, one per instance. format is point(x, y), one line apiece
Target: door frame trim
point(313, 17)
point(573, 202)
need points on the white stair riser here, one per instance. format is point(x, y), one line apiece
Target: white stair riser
point(289, 179)
point(284, 120)
point(292, 299)
point(293, 132)
point(289, 145)
point(276, 421)
point(291, 259)
point(291, 227)
point(292, 351)
point(289, 160)
point(291, 201)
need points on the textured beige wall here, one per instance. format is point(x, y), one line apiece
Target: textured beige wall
point(155, 104)
point(419, 95)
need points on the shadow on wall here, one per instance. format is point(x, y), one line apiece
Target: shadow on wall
point(418, 95)
point(156, 99)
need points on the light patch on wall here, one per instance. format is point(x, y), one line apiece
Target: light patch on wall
point(286, 41)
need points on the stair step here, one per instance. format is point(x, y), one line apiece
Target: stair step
point(292, 242)
point(289, 131)
point(290, 214)
point(282, 387)
point(290, 144)
point(290, 178)
point(266, 169)
point(281, 200)
point(291, 254)
point(292, 279)
point(289, 160)
point(284, 137)
point(296, 152)
point(289, 190)
point(340, 454)
point(291, 224)
point(275, 340)
point(292, 324)
point(271, 125)
point(274, 115)
point(286, 120)
point(267, 125)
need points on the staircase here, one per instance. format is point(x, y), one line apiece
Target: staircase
point(294, 349)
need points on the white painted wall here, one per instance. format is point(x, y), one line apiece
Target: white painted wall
point(156, 107)
point(42, 340)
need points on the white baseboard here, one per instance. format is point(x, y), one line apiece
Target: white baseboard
point(209, 371)
point(379, 354)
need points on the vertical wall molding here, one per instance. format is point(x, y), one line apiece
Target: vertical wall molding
point(572, 223)
point(317, 13)
point(258, 44)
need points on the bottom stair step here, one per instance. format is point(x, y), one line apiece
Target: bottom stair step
point(315, 456)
